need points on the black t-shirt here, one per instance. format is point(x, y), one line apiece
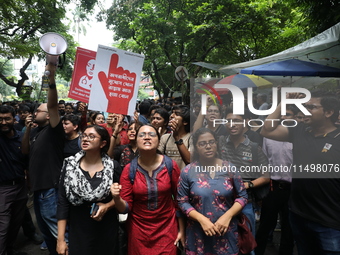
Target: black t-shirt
point(71, 147)
point(312, 196)
point(46, 156)
point(255, 137)
point(20, 125)
point(12, 161)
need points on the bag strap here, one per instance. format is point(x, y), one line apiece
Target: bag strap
point(189, 142)
point(168, 165)
point(133, 168)
point(167, 140)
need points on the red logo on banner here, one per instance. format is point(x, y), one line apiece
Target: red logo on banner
point(118, 86)
point(82, 75)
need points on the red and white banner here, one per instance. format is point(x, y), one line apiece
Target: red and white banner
point(116, 80)
point(82, 77)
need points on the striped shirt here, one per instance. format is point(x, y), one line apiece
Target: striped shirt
point(242, 157)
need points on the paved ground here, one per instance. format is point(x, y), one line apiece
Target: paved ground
point(24, 245)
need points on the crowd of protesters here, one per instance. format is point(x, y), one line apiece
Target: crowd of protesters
point(87, 169)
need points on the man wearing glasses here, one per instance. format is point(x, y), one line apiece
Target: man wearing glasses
point(45, 145)
point(315, 188)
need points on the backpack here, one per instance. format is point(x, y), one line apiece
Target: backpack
point(133, 168)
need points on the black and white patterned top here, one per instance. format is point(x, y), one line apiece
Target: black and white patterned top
point(77, 187)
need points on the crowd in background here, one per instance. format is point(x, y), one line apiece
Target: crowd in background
point(87, 169)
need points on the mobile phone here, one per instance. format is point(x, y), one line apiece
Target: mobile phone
point(94, 209)
point(180, 248)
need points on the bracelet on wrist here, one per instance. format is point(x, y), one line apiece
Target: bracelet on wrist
point(114, 136)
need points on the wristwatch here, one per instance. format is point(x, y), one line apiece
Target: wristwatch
point(250, 185)
point(179, 142)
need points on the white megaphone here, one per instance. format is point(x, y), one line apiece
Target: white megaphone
point(54, 45)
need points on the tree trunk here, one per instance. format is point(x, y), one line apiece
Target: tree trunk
point(24, 77)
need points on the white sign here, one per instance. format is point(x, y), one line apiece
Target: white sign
point(116, 80)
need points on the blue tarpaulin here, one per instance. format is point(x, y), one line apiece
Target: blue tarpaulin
point(292, 67)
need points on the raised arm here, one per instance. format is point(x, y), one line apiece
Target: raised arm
point(183, 150)
point(25, 143)
point(271, 128)
point(199, 122)
point(83, 119)
point(52, 96)
point(116, 129)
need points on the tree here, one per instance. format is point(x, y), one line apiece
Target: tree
point(6, 68)
point(172, 33)
point(23, 22)
point(318, 15)
point(78, 16)
point(142, 95)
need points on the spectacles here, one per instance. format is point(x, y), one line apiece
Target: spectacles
point(213, 111)
point(204, 144)
point(7, 119)
point(88, 137)
point(150, 134)
point(311, 106)
point(38, 110)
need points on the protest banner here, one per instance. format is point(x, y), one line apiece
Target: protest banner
point(116, 80)
point(82, 76)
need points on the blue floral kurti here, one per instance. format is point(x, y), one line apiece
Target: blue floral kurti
point(212, 198)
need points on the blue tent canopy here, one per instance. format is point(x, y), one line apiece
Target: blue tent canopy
point(293, 67)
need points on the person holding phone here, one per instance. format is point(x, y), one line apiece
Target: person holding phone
point(85, 201)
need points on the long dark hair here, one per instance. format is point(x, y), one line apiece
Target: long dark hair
point(185, 114)
point(164, 114)
point(94, 116)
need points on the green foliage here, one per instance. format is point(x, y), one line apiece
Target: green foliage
point(318, 15)
point(172, 33)
point(22, 20)
point(142, 95)
point(6, 68)
point(62, 91)
point(22, 24)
